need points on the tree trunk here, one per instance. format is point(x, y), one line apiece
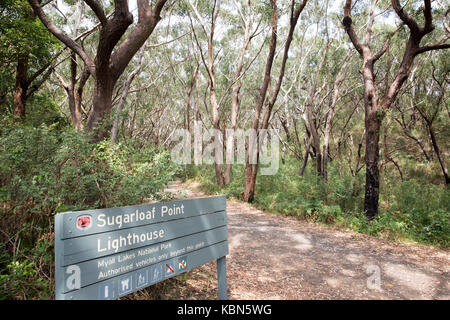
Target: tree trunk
point(74, 99)
point(111, 57)
point(438, 153)
point(372, 120)
point(305, 158)
point(218, 156)
point(373, 111)
point(235, 106)
point(252, 168)
point(98, 122)
point(372, 170)
point(78, 123)
point(326, 144)
point(310, 112)
point(315, 139)
point(20, 93)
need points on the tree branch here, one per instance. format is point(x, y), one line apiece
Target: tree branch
point(428, 17)
point(98, 10)
point(348, 25)
point(368, 37)
point(62, 36)
point(432, 47)
point(137, 37)
point(38, 84)
point(405, 17)
point(383, 50)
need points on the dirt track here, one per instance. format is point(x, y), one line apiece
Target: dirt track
point(277, 257)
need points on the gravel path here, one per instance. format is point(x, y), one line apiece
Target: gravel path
point(278, 257)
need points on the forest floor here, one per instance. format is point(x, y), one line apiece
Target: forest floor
point(279, 257)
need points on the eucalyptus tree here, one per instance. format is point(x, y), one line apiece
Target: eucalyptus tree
point(375, 108)
point(27, 51)
point(312, 121)
point(209, 63)
point(428, 96)
point(246, 26)
point(113, 52)
point(75, 84)
point(253, 151)
point(250, 27)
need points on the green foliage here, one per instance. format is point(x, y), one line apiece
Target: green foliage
point(425, 208)
point(412, 210)
point(21, 32)
point(26, 275)
point(22, 35)
point(45, 170)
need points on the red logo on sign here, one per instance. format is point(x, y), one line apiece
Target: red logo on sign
point(83, 222)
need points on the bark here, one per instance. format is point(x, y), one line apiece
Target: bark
point(188, 103)
point(20, 93)
point(218, 157)
point(326, 144)
point(78, 124)
point(198, 141)
point(75, 111)
point(75, 94)
point(372, 123)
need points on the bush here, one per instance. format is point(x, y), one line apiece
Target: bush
point(409, 210)
point(45, 170)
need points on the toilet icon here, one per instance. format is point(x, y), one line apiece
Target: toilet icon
point(106, 291)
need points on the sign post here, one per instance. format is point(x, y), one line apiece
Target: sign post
point(109, 253)
point(222, 278)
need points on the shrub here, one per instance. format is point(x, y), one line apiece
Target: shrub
point(45, 170)
point(412, 209)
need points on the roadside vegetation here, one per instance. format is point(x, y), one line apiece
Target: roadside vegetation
point(411, 210)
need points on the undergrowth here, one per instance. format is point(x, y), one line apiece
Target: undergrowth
point(410, 210)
